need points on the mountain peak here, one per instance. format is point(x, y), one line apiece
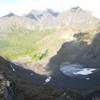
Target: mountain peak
point(35, 12)
point(10, 15)
point(50, 11)
point(73, 9)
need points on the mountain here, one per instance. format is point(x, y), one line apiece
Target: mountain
point(46, 18)
point(51, 12)
point(12, 22)
point(9, 15)
point(19, 86)
point(75, 18)
point(13, 86)
point(78, 19)
point(39, 14)
point(79, 51)
point(38, 43)
point(38, 35)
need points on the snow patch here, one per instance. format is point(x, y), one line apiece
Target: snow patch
point(48, 79)
point(85, 71)
point(75, 70)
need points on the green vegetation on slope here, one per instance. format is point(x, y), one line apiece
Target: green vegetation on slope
point(22, 42)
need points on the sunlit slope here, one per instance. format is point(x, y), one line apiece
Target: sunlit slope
point(40, 34)
point(19, 42)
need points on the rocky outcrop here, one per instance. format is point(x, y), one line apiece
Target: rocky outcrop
point(7, 88)
point(79, 51)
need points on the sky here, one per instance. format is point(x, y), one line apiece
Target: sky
point(21, 7)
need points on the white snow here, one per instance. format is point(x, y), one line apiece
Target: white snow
point(75, 70)
point(48, 79)
point(87, 78)
point(85, 71)
point(12, 67)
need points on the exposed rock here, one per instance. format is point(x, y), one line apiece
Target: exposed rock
point(10, 15)
point(7, 88)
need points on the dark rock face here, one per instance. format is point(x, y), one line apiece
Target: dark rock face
point(76, 96)
point(10, 15)
point(7, 88)
point(94, 96)
point(79, 52)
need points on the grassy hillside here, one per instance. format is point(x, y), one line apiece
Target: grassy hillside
point(31, 43)
point(39, 45)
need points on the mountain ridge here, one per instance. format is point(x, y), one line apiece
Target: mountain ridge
point(75, 18)
point(28, 35)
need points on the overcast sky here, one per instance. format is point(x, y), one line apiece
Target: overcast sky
point(24, 6)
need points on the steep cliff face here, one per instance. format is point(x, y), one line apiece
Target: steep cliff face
point(79, 51)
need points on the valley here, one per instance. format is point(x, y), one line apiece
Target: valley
point(48, 51)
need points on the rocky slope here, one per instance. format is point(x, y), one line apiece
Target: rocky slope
point(16, 87)
point(75, 18)
point(79, 51)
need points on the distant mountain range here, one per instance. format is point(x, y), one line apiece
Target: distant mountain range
point(75, 18)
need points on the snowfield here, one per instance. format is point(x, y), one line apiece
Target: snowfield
point(75, 70)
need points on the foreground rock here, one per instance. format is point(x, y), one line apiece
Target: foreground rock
point(15, 87)
point(7, 88)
